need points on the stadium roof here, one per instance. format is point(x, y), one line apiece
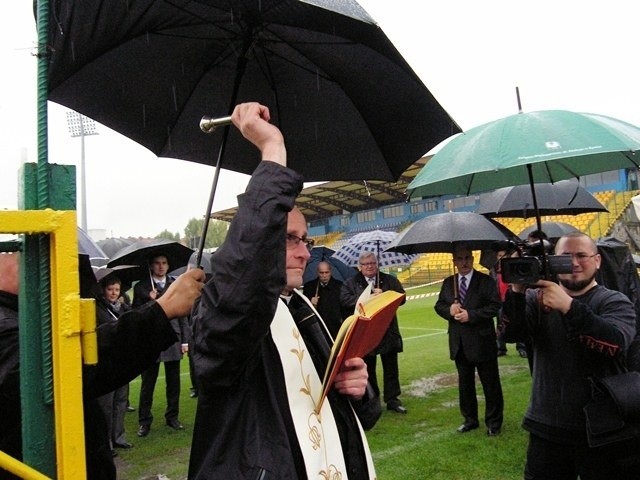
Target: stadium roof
point(335, 198)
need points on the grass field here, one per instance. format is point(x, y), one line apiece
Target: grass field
point(423, 444)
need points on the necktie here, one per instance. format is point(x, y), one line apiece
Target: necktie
point(463, 289)
point(372, 282)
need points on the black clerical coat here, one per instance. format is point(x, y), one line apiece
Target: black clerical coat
point(243, 425)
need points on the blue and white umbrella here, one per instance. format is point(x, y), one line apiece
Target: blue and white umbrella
point(374, 241)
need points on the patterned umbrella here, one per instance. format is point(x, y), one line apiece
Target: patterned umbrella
point(374, 241)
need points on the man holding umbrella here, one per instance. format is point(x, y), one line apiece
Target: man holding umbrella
point(391, 344)
point(324, 293)
point(153, 288)
point(255, 358)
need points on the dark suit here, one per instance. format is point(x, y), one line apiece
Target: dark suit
point(391, 343)
point(472, 345)
point(171, 358)
point(328, 302)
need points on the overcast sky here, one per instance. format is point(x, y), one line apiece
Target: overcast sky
point(570, 55)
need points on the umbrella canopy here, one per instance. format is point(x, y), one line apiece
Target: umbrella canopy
point(565, 197)
point(205, 264)
point(348, 104)
point(540, 147)
point(141, 252)
point(443, 231)
point(375, 241)
point(554, 230)
point(339, 270)
point(111, 246)
point(126, 273)
point(86, 246)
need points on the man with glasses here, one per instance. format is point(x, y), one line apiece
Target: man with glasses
point(391, 343)
point(579, 329)
point(259, 347)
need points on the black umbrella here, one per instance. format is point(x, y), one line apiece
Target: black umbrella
point(443, 231)
point(141, 253)
point(565, 197)
point(205, 264)
point(339, 270)
point(111, 246)
point(554, 230)
point(126, 273)
point(348, 104)
point(86, 246)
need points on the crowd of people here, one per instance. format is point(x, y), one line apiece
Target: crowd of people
point(259, 340)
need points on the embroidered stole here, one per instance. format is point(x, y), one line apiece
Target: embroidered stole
point(317, 434)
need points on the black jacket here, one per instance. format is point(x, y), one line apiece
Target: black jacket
point(328, 303)
point(478, 336)
point(585, 342)
point(125, 349)
point(243, 424)
point(351, 291)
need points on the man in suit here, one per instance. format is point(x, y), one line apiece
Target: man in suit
point(151, 289)
point(324, 293)
point(391, 344)
point(469, 301)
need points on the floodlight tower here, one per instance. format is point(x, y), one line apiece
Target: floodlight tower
point(81, 126)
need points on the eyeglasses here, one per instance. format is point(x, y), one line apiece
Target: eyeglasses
point(581, 257)
point(293, 241)
point(368, 264)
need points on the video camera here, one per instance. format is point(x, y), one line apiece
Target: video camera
point(534, 262)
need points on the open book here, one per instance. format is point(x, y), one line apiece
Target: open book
point(360, 333)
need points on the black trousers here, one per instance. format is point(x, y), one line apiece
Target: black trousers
point(490, 380)
point(389, 372)
point(149, 378)
point(547, 460)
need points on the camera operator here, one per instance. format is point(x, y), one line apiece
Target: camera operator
point(578, 329)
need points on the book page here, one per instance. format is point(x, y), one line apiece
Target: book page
point(362, 299)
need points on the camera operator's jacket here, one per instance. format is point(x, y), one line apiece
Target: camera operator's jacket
point(568, 349)
point(478, 336)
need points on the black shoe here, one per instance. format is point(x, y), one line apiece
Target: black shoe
point(114, 453)
point(130, 408)
point(125, 445)
point(396, 406)
point(193, 393)
point(467, 427)
point(493, 432)
point(523, 353)
point(175, 424)
point(143, 431)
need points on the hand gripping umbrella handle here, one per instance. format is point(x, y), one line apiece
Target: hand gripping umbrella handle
point(209, 125)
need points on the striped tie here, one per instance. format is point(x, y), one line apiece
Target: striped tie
point(463, 289)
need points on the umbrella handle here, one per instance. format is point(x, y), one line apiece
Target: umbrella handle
point(209, 125)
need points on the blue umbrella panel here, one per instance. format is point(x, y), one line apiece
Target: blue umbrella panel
point(339, 270)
